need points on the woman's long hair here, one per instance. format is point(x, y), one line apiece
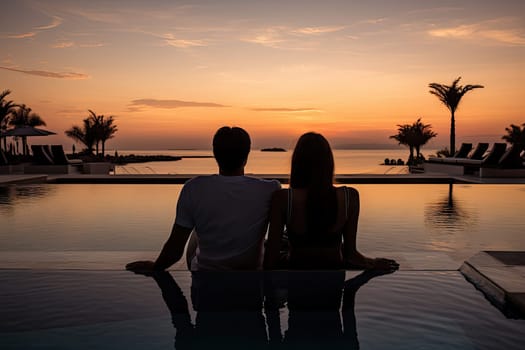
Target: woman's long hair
point(313, 169)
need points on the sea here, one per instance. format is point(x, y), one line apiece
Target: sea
point(196, 161)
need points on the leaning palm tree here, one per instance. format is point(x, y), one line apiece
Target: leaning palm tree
point(450, 96)
point(421, 134)
point(84, 134)
point(23, 116)
point(515, 135)
point(6, 109)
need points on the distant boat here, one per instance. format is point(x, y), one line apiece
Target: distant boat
point(273, 149)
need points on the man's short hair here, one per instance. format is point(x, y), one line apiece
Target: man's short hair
point(231, 146)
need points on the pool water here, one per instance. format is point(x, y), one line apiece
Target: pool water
point(63, 286)
point(457, 221)
point(120, 310)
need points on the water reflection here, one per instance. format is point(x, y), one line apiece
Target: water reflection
point(231, 309)
point(10, 195)
point(449, 215)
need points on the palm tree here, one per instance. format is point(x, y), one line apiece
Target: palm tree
point(404, 137)
point(450, 96)
point(414, 136)
point(421, 133)
point(6, 109)
point(23, 116)
point(515, 136)
point(84, 134)
point(107, 130)
point(95, 129)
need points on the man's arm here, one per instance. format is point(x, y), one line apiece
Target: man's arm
point(173, 249)
point(171, 252)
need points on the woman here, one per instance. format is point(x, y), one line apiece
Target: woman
point(320, 220)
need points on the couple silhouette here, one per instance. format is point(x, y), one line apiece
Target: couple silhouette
point(223, 219)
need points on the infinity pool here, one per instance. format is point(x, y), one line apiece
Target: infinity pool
point(63, 248)
point(457, 221)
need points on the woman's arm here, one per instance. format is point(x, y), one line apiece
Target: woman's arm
point(350, 228)
point(351, 256)
point(275, 231)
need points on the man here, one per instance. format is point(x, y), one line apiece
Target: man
point(228, 213)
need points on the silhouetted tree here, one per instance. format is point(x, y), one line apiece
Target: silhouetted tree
point(515, 135)
point(84, 134)
point(404, 137)
point(95, 129)
point(414, 136)
point(23, 116)
point(421, 133)
point(450, 96)
point(105, 129)
point(6, 109)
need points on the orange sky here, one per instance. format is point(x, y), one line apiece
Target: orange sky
point(172, 72)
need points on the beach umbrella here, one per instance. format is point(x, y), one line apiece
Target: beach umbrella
point(25, 131)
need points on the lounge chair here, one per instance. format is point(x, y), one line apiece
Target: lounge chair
point(462, 153)
point(511, 159)
point(510, 165)
point(491, 158)
point(60, 158)
point(468, 166)
point(41, 155)
point(48, 160)
point(463, 150)
point(479, 151)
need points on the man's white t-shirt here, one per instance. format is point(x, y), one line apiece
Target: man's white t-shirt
point(230, 216)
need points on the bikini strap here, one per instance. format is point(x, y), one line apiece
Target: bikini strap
point(347, 201)
point(289, 211)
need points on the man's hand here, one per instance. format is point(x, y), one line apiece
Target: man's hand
point(143, 267)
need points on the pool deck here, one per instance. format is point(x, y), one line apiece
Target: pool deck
point(500, 275)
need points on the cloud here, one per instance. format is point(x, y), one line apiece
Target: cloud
point(318, 30)
point(268, 37)
point(182, 43)
point(284, 109)
point(295, 38)
point(170, 40)
point(55, 23)
point(22, 36)
point(373, 20)
point(505, 36)
point(136, 105)
point(63, 45)
point(72, 111)
point(454, 32)
point(47, 74)
point(491, 30)
point(68, 44)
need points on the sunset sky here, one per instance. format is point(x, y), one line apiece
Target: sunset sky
point(172, 72)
